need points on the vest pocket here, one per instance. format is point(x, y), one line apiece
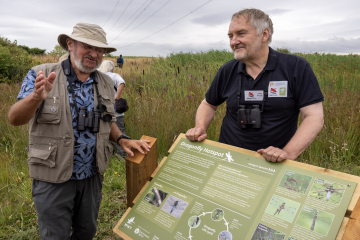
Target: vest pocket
point(105, 100)
point(50, 112)
point(104, 150)
point(42, 154)
point(108, 150)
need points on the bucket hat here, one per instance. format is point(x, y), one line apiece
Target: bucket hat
point(88, 33)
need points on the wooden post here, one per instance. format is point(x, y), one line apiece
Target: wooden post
point(353, 227)
point(139, 169)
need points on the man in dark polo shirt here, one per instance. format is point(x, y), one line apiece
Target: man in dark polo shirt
point(272, 88)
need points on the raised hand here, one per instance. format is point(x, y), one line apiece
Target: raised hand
point(43, 85)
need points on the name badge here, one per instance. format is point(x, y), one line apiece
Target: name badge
point(257, 95)
point(278, 89)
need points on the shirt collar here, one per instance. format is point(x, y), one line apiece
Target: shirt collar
point(270, 65)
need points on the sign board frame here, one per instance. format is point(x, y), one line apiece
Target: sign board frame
point(350, 226)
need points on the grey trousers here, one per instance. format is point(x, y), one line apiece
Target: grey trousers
point(121, 125)
point(68, 208)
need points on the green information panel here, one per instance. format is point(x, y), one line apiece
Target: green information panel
point(208, 192)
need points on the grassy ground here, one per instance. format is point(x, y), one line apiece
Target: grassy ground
point(163, 95)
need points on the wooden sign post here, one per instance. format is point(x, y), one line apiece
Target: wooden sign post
point(139, 169)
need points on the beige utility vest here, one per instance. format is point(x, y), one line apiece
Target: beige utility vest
point(51, 135)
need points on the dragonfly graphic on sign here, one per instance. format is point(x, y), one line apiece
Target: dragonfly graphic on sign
point(330, 190)
point(228, 157)
point(315, 220)
point(327, 191)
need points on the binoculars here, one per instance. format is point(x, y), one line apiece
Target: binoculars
point(249, 117)
point(90, 119)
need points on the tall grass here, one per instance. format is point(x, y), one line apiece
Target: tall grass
point(163, 95)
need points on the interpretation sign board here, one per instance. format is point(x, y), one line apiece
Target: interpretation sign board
point(210, 191)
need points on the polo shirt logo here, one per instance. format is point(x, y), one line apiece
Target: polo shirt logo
point(278, 89)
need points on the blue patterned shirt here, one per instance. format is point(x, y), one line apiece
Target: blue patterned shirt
point(85, 141)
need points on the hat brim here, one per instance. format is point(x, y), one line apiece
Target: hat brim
point(62, 42)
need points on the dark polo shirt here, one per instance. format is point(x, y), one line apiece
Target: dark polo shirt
point(293, 85)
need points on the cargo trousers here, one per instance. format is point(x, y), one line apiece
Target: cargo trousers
point(68, 210)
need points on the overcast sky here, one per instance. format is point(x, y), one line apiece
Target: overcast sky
point(302, 26)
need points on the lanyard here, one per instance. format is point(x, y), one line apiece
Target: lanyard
point(265, 92)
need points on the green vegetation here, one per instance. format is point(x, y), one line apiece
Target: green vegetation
point(283, 50)
point(33, 51)
point(57, 51)
point(14, 61)
point(163, 95)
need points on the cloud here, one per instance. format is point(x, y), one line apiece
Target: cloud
point(152, 49)
point(277, 11)
point(331, 45)
point(213, 19)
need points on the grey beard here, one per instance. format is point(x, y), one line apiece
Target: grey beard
point(81, 66)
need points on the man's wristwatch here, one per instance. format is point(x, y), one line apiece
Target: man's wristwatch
point(122, 136)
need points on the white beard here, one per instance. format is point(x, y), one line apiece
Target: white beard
point(79, 64)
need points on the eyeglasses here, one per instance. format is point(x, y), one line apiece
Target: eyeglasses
point(91, 48)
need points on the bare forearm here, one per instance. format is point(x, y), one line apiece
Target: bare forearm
point(115, 132)
point(128, 144)
point(204, 115)
point(119, 91)
point(304, 136)
point(22, 111)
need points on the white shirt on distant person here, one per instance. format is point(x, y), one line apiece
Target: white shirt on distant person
point(117, 80)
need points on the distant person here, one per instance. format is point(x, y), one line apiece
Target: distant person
point(68, 153)
point(264, 92)
point(120, 61)
point(64, 57)
point(108, 67)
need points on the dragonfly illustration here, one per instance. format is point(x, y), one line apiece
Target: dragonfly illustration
point(288, 186)
point(195, 222)
point(131, 220)
point(314, 217)
point(174, 206)
point(159, 196)
point(217, 214)
point(224, 236)
point(292, 184)
point(329, 190)
point(282, 207)
point(294, 180)
point(228, 157)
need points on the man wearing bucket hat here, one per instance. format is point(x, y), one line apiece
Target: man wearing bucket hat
point(70, 109)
